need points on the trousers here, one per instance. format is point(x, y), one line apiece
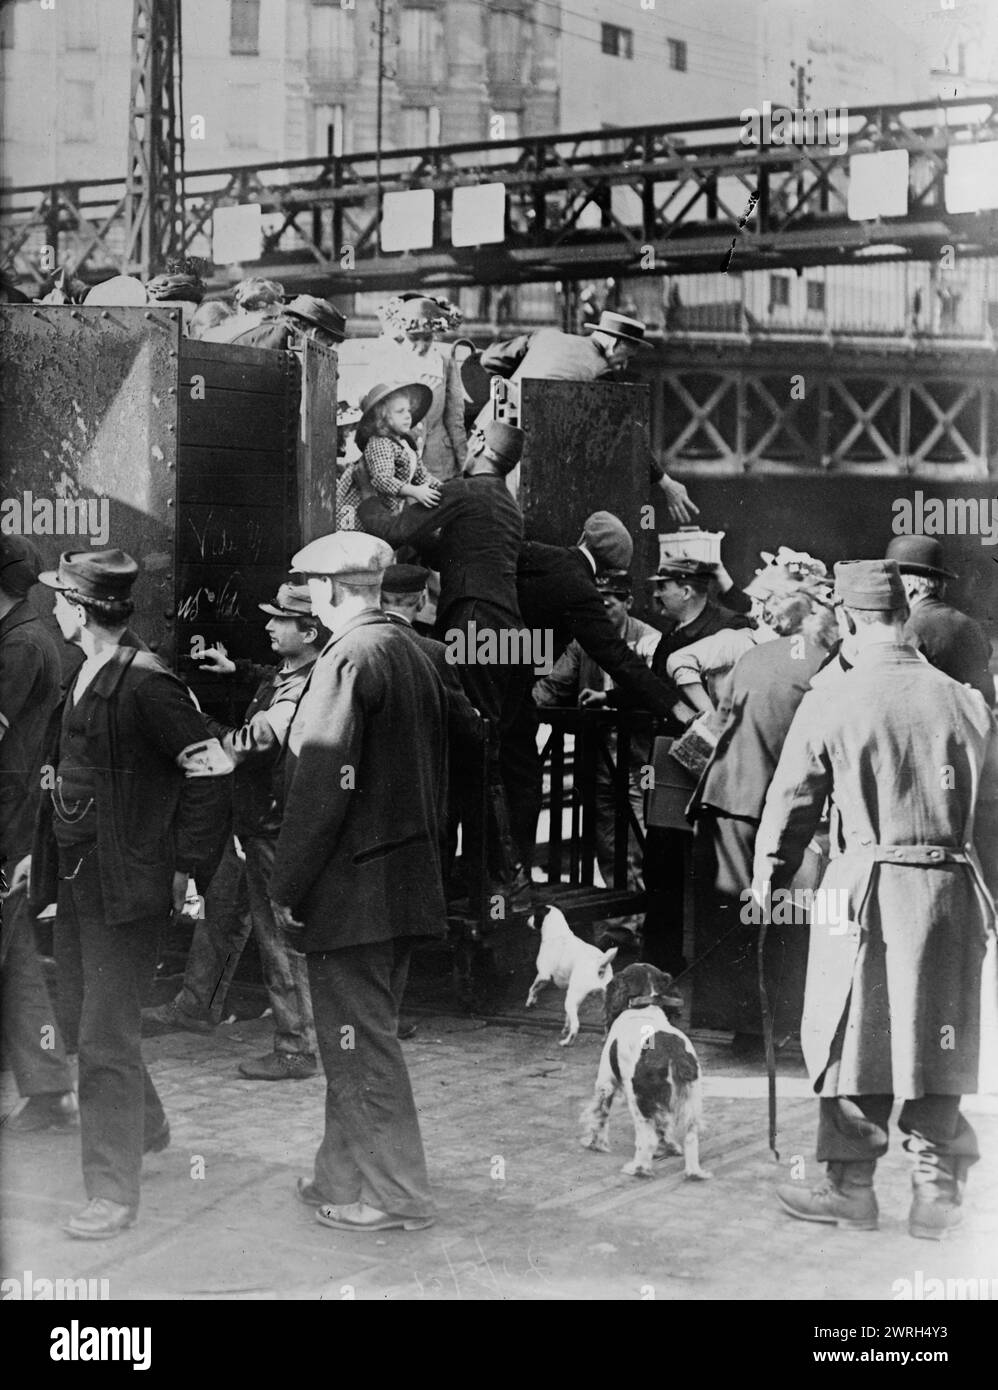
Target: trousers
point(32, 1040)
point(103, 973)
point(855, 1128)
point(371, 1150)
point(219, 940)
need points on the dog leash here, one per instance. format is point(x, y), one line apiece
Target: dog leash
point(770, 1042)
point(767, 1019)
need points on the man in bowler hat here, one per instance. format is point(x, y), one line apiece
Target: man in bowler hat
point(139, 800)
point(949, 639)
point(29, 691)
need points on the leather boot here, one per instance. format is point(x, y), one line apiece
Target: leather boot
point(937, 1184)
point(845, 1197)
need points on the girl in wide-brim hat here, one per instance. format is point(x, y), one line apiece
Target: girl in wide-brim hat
point(390, 467)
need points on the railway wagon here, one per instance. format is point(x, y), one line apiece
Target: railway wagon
point(210, 464)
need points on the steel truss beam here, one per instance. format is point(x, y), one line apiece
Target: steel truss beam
point(665, 199)
point(733, 409)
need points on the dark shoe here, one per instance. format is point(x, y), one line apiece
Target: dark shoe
point(357, 1217)
point(100, 1219)
point(169, 1018)
point(407, 1028)
point(937, 1184)
point(309, 1194)
point(159, 1141)
point(845, 1198)
point(280, 1066)
point(50, 1111)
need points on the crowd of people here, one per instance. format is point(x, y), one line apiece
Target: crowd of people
point(847, 717)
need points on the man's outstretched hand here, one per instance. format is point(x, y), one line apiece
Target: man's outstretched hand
point(682, 508)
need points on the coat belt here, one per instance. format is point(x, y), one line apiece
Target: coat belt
point(924, 856)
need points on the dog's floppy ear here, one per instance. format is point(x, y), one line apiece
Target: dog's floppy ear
point(659, 980)
point(536, 919)
point(615, 1000)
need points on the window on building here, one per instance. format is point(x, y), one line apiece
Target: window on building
point(677, 54)
point(619, 43)
point(421, 45)
point(330, 130)
point(242, 115)
point(7, 13)
point(420, 126)
point(506, 57)
point(816, 295)
point(244, 26)
point(77, 107)
point(79, 24)
point(779, 291)
point(332, 33)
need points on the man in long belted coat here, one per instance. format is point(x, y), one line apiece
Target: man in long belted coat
point(892, 1002)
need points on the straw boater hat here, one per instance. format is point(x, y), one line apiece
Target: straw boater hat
point(619, 326)
point(420, 398)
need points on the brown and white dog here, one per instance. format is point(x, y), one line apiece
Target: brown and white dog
point(571, 963)
point(655, 1065)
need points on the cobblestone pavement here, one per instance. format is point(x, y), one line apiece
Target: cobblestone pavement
point(525, 1212)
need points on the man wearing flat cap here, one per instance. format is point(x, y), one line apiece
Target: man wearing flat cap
point(29, 691)
point(473, 538)
point(357, 872)
point(256, 748)
point(139, 803)
point(949, 639)
point(892, 1001)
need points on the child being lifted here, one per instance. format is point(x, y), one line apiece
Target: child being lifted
point(390, 466)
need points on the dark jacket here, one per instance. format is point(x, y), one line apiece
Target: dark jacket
point(953, 643)
point(473, 537)
point(358, 856)
point(153, 817)
point(758, 703)
point(257, 749)
point(557, 590)
point(29, 691)
point(464, 723)
point(713, 618)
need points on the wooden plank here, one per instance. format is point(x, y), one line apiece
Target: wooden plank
point(223, 534)
point(226, 593)
point(242, 421)
point(225, 366)
point(234, 489)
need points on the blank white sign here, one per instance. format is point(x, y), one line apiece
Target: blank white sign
point(878, 185)
point(478, 214)
point(972, 177)
point(407, 220)
point(236, 234)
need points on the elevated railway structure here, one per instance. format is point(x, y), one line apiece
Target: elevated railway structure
point(663, 199)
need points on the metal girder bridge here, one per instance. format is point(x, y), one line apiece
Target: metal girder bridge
point(664, 199)
point(727, 409)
